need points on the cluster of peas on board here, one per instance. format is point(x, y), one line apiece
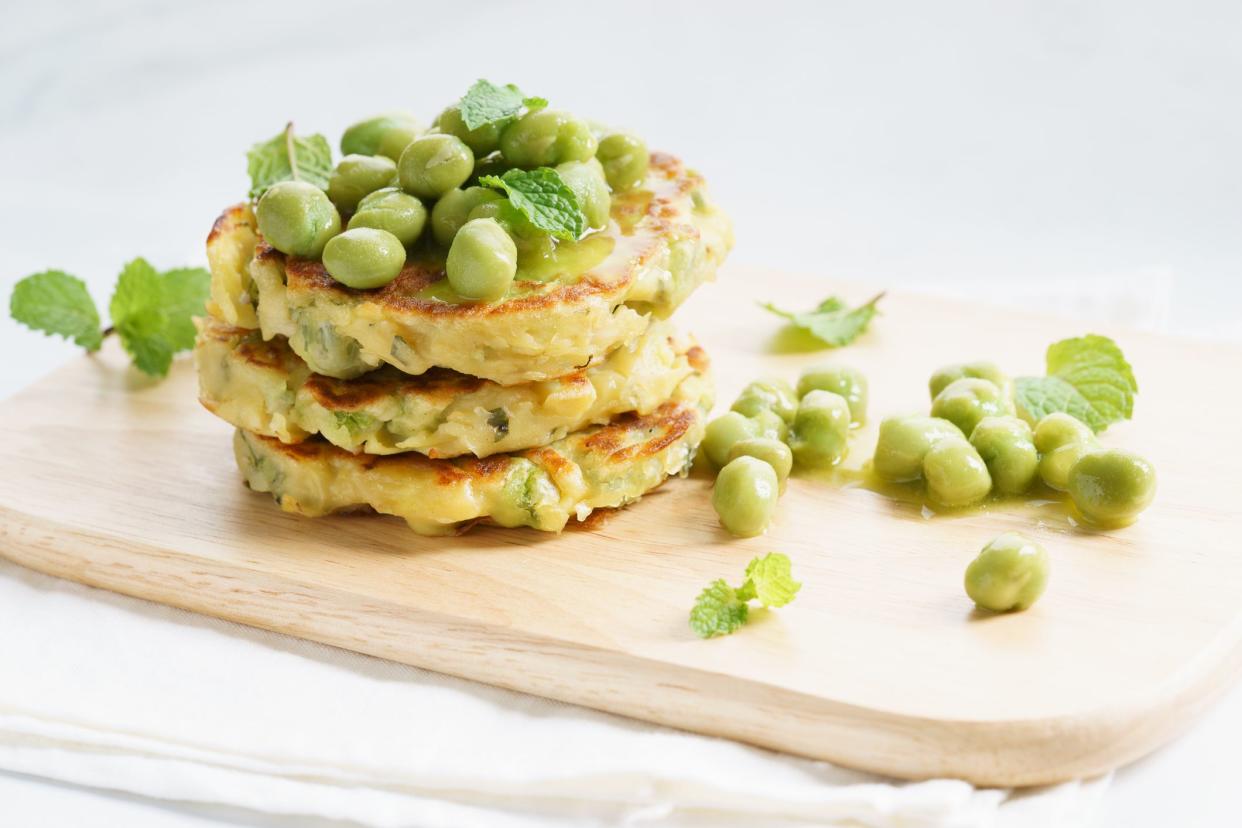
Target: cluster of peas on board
point(773, 426)
point(972, 445)
point(395, 179)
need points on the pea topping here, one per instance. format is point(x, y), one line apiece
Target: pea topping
point(725, 431)
point(1008, 448)
point(903, 443)
point(1061, 440)
point(389, 209)
point(770, 425)
point(769, 394)
point(1009, 574)
point(745, 495)
point(1111, 487)
point(380, 135)
point(297, 218)
point(364, 257)
point(625, 159)
point(956, 475)
point(977, 370)
point(482, 261)
point(434, 164)
point(773, 452)
point(819, 437)
point(453, 210)
point(546, 138)
point(839, 379)
point(357, 176)
point(481, 141)
point(966, 401)
point(586, 179)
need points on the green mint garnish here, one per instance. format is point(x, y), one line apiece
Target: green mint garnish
point(721, 609)
point(486, 103)
point(832, 322)
point(152, 312)
point(289, 157)
point(56, 303)
point(544, 198)
point(1088, 378)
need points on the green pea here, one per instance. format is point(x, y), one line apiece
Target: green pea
point(586, 179)
point(745, 495)
point(297, 218)
point(357, 176)
point(770, 394)
point(903, 443)
point(482, 261)
point(625, 159)
point(389, 209)
point(770, 425)
point(546, 138)
point(1008, 449)
point(481, 141)
point(773, 452)
point(723, 432)
point(434, 164)
point(976, 370)
point(819, 436)
point(966, 401)
point(1009, 574)
point(364, 257)
point(372, 136)
point(1061, 440)
point(955, 473)
point(454, 209)
point(1111, 487)
point(839, 379)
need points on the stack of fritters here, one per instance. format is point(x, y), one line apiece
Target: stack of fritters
point(572, 393)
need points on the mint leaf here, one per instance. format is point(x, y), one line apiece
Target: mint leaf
point(721, 609)
point(288, 157)
point(544, 198)
point(1088, 378)
point(486, 103)
point(152, 312)
point(717, 611)
point(832, 322)
point(56, 303)
point(354, 422)
point(771, 580)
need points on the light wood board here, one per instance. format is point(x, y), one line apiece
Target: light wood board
point(879, 664)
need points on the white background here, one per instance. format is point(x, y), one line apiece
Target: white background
point(995, 146)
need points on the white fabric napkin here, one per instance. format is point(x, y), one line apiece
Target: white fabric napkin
point(111, 692)
point(118, 693)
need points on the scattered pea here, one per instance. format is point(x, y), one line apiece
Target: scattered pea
point(723, 432)
point(1061, 440)
point(745, 495)
point(1111, 487)
point(769, 394)
point(1008, 448)
point(903, 443)
point(978, 370)
point(966, 401)
point(819, 437)
point(773, 452)
point(955, 473)
point(839, 379)
point(1009, 574)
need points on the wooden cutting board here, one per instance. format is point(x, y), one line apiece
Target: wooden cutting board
point(114, 481)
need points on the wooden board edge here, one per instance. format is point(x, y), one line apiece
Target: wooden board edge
point(986, 753)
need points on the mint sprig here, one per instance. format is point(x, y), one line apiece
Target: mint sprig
point(1088, 377)
point(721, 609)
point(152, 312)
point(543, 197)
point(289, 157)
point(832, 322)
point(57, 304)
point(487, 103)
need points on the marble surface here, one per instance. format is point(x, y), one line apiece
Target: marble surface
point(987, 149)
